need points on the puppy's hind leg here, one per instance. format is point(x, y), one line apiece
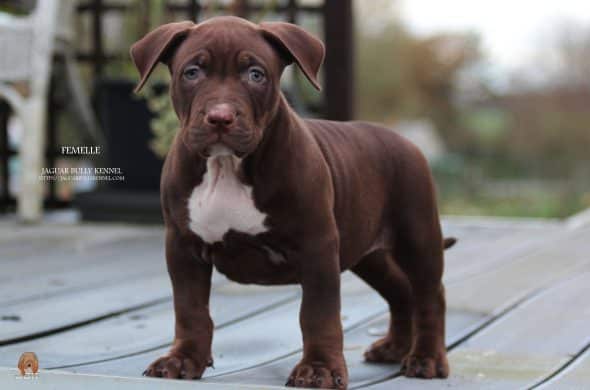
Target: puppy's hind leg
point(379, 270)
point(419, 253)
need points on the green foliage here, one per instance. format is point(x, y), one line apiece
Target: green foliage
point(466, 188)
point(538, 205)
point(16, 7)
point(497, 142)
point(164, 124)
point(489, 124)
point(401, 75)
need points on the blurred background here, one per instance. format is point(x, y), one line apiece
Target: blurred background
point(497, 95)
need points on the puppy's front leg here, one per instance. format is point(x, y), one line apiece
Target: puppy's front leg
point(323, 362)
point(191, 283)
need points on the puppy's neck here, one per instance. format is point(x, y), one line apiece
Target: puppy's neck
point(277, 142)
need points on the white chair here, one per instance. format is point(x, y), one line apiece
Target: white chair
point(27, 45)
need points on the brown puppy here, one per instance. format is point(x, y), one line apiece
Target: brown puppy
point(267, 197)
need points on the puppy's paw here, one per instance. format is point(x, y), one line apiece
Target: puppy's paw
point(414, 366)
point(177, 366)
point(387, 350)
point(319, 375)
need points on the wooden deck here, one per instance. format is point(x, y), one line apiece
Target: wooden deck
point(94, 303)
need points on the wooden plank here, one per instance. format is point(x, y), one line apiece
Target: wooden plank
point(513, 280)
point(471, 237)
point(485, 243)
point(38, 318)
point(67, 242)
point(247, 343)
point(500, 222)
point(579, 220)
point(71, 270)
point(495, 251)
point(523, 347)
point(40, 261)
point(32, 239)
point(141, 330)
point(51, 380)
point(56, 312)
point(575, 376)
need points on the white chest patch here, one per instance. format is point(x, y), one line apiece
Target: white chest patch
point(221, 202)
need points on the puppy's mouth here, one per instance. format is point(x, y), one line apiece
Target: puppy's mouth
point(210, 144)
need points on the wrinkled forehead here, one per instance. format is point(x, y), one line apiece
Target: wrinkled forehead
point(223, 41)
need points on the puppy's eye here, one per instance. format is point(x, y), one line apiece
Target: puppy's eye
point(256, 75)
point(191, 72)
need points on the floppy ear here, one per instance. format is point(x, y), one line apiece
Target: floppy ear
point(154, 47)
point(302, 47)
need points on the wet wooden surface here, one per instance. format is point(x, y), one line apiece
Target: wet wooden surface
point(94, 303)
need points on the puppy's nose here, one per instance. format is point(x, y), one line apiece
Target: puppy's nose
point(221, 115)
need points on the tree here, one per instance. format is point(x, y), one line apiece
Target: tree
point(402, 75)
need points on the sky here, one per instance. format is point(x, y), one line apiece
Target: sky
point(511, 31)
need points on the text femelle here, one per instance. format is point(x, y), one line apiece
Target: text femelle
point(81, 150)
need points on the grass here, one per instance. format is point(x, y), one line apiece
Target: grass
point(552, 203)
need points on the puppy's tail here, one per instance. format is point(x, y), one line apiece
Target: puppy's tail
point(449, 242)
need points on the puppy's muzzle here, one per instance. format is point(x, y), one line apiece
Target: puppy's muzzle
point(221, 117)
point(223, 124)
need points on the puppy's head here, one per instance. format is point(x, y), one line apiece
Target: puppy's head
point(225, 75)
